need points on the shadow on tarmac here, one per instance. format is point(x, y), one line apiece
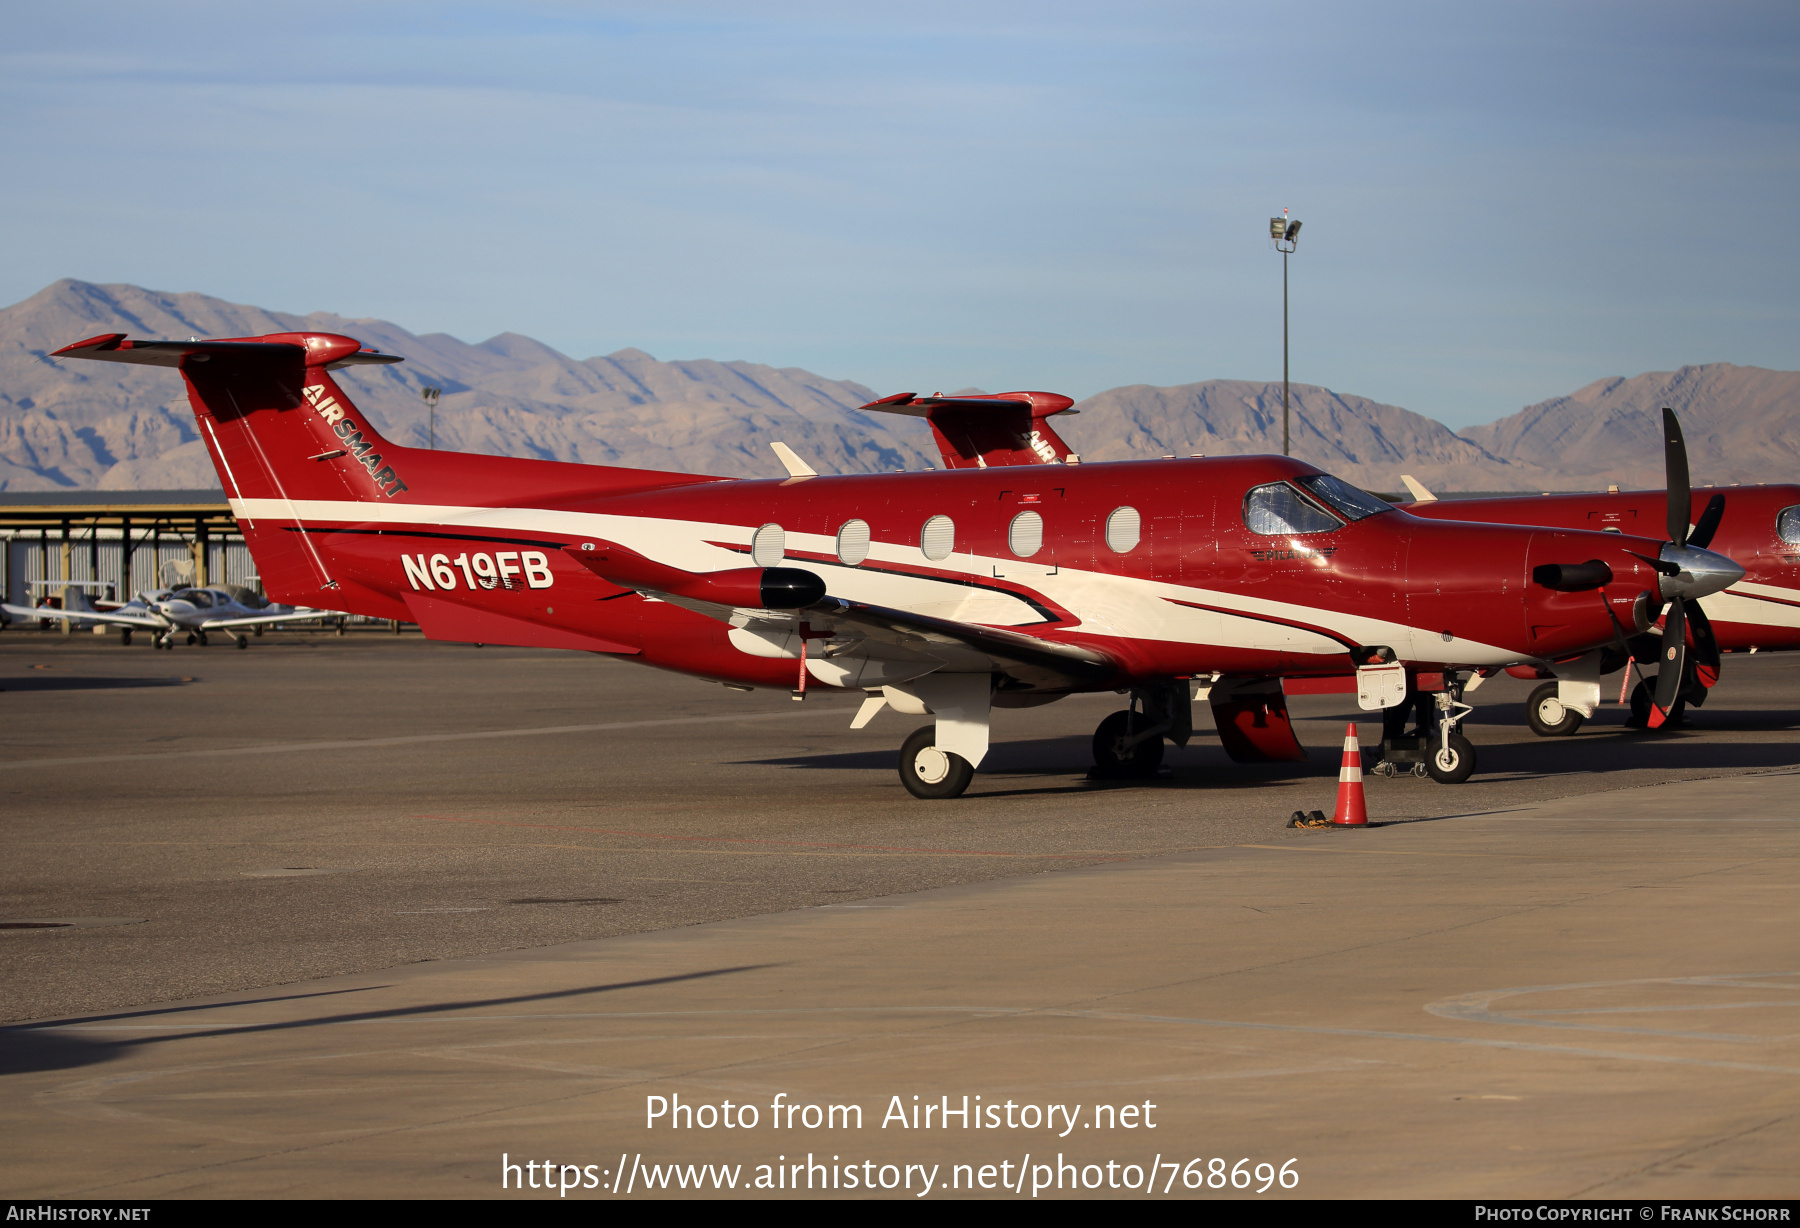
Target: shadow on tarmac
point(1203, 765)
point(30, 1047)
point(49, 682)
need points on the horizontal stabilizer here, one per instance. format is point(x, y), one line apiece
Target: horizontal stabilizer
point(117, 347)
point(986, 430)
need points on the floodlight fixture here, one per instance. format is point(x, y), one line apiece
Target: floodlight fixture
point(1278, 228)
point(430, 397)
point(1293, 231)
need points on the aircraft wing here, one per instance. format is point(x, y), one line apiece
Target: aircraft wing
point(262, 620)
point(1030, 658)
point(98, 616)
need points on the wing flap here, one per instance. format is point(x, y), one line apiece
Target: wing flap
point(1042, 662)
point(261, 620)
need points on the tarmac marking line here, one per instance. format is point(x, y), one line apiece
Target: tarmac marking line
point(277, 748)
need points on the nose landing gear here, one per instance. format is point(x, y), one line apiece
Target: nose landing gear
point(1444, 755)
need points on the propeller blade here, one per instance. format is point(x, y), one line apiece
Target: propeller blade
point(1709, 523)
point(1705, 651)
point(1681, 497)
point(1671, 661)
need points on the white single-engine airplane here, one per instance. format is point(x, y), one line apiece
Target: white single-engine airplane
point(163, 612)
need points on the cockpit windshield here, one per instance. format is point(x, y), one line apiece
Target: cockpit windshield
point(1345, 499)
point(1278, 509)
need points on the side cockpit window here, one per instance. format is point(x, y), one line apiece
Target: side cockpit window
point(1787, 525)
point(1350, 502)
point(1278, 508)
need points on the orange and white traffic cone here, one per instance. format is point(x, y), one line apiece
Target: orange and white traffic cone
point(1350, 810)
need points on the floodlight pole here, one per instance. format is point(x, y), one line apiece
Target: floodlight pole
point(1285, 233)
point(1284, 351)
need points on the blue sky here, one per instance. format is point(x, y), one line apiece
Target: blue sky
point(1501, 202)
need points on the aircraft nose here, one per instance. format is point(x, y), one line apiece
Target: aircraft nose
point(1702, 572)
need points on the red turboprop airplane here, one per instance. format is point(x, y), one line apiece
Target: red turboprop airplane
point(1757, 527)
point(937, 593)
point(1759, 613)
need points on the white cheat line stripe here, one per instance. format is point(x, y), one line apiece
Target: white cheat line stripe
point(681, 534)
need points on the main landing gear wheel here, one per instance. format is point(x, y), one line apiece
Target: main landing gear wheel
point(929, 772)
point(1642, 696)
point(243, 641)
point(1452, 764)
point(1112, 757)
point(125, 636)
point(1546, 715)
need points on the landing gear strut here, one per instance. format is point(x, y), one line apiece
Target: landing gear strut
point(1452, 758)
point(1130, 743)
point(1126, 744)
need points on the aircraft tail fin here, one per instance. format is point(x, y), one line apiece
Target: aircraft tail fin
point(293, 451)
point(984, 430)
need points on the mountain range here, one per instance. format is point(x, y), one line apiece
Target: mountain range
point(74, 425)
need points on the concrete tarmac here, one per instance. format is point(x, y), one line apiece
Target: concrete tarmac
point(1562, 1001)
point(314, 806)
point(722, 893)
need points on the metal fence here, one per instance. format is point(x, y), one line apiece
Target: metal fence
point(40, 563)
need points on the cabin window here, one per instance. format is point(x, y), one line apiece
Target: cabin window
point(768, 546)
point(1347, 500)
point(1278, 508)
point(1123, 528)
point(1026, 535)
point(1787, 525)
point(938, 538)
point(199, 598)
point(853, 542)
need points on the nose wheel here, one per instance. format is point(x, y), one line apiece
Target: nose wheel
point(1451, 761)
point(928, 772)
